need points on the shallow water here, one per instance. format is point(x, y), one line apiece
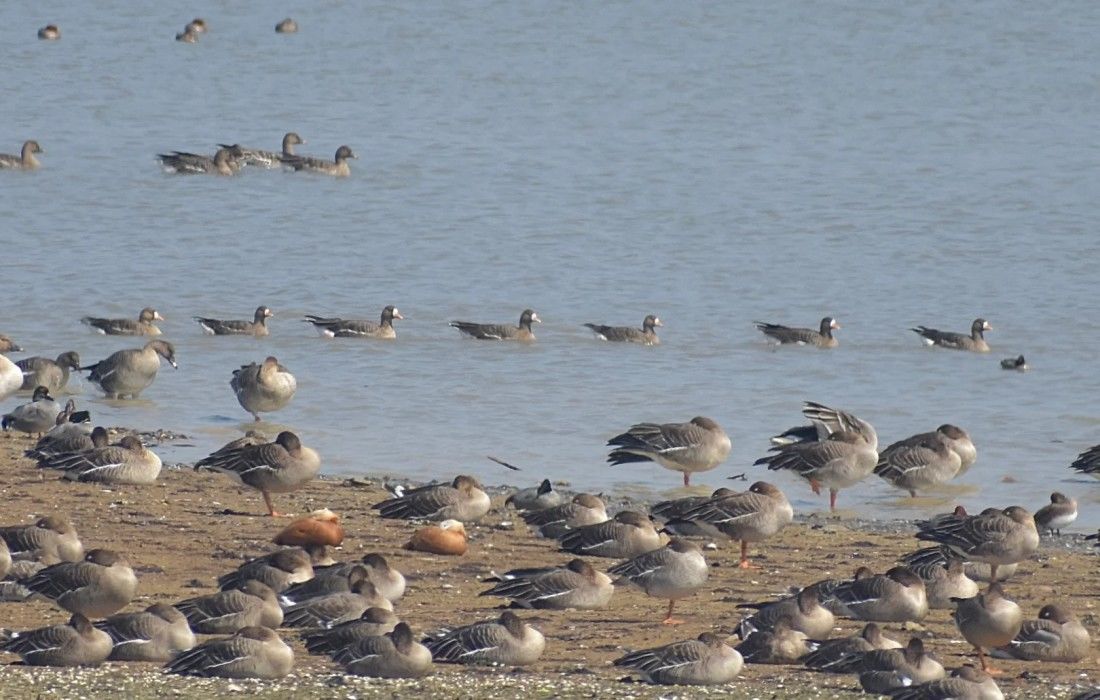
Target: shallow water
point(712, 164)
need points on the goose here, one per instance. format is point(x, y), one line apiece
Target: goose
point(125, 326)
point(500, 331)
point(507, 640)
point(267, 159)
point(674, 571)
point(352, 328)
point(274, 467)
point(263, 388)
point(25, 160)
point(462, 500)
point(706, 660)
point(646, 335)
point(77, 643)
point(696, 446)
point(100, 585)
point(392, 655)
point(338, 167)
point(129, 372)
point(575, 586)
point(256, 327)
point(253, 652)
point(785, 335)
point(975, 342)
point(52, 374)
point(157, 633)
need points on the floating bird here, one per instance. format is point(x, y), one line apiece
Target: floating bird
point(1017, 363)
point(224, 161)
point(338, 167)
point(706, 660)
point(52, 374)
point(988, 620)
point(1060, 513)
point(273, 467)
point(696, 446)
point(125, 326)
point(975, 342)
point(584, 509)
point(461, 500)
point(448, 539)
point(883, 670)
point(674, 571)
point(76, 644)
point(287, 26)
point(576, 585)
point(256, 157)
point(253, 652)
point(156, 634)
point(994, 537)
point(752, 516)
point(129, 372)
point(507, 640)
point(264, 387)
point(100, 585)
point(25, 160)
point(628, 334)
point(785, 335)
point(497, 331)
point(392, 655)
point(49, 33)
point(1056, 636)
point(351, 328)
point(256, 327)
point(8, 345)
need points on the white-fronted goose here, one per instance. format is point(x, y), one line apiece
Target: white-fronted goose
point(25, 160)
point(1060, 513)
point(696, 446)
point(361, 328)
point(626, 535)
point(37, 416)
point(646, 335)
point(975, 342)
point(965, 683)
point(11, 378)
point(279, 570)
point(988, 620)
point(51, 539)
point(129, 372)
point(843, 459)
point(845, 655)
point(896, 596)
point(785, 335)
point(535, 498)
point(273, 467)
point(125, 326)
point(576, 585)
point(334, 608)
point(584, 509)
point(461, 500)
point(782, 644)
point(224, 162)
point(197, 25)
point(884, 670)
point(156, 634)
point(338, 167)
point(1056, 636)
point(500, 331)
point(372, 623)
point(52, 374)
point(128, 462)
point(803, 612)
point(994, 537)
point(259, 158)
point(508, 641)
point(752, 516)
point(674, 571)
point(256, 327)
point(188, 36)
point(225, 612)
point(253, 652)
point(76, 644)
point(286, 26)
point(263, 388)
point(1018, 363)
point(99, 586)
point(927, 459)
point(393, 655)
point(707, 660)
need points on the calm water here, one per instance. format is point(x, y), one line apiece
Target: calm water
point(711, 163)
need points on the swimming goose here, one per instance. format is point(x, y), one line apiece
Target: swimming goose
point(1056, 636)
point(896, 596)
point(500, 331)
point(77, 643)
point(156, 634)
point(628, 334)
point(126, 326)
point(674, 571)
point(782, 644)
point(224, 162)
point(37, 416)
point(883, 670)
point(25, 160)
point(263, 388)
point(448, 538)
point(188, 36)
point(845, 655)
point(461, 500)
point(225, 612)
point(8, 345)
point(129, 372)
point(197, 25)
point(576, 585)
point(508, 640)
point(803, 612)
point(975, 342)
point(273, 467)
point(253, 652)
point(100, 585)
point(707, 660)
point(752, 516)
point(927, 459)
point(286, 26)
point(351, 328)
point(988, 620)
point(965, 683)
point(627, 535)
point(392, 655)
point(256, 327)
point(266, 159)
point(52, 374)
point(584, 509)
point(785, 335)
point(696, 446)
point(279, 570)
point(49, 33)
point(11, 378)
point(1060, 513)
point(51, 539)
point(841, 460)
point(535, 498)
point(994, 537)
point(372, 623)
point(337, 168)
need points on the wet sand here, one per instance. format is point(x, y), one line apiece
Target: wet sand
point(181, 533)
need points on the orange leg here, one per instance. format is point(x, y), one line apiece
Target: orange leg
point(832, 499)
point(744, 563)
point(985, 665)
point(669, 619)
point(815, 487)
point(271, 506)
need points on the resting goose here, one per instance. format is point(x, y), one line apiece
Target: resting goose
point(100, 585)
point(253, 652)
point(507, 640)
point(707, 660)
point(77, 643)
point(263, 388)
point(393, 655)
point(462, 500)
point(156, 634)
point(576, 585)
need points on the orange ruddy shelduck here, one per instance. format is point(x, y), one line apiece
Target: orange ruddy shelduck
point(321, 527)
point(449, 537)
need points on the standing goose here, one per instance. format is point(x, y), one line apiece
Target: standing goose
point(1056, 636)
point(50, 540)
point(253, 652)
point(392, 655)
point(461, 500)
point(1059, 513)
point(500, 331)
point(126, 326)
point(576, 585)
point(627, 535)
point(52, 374)
point(273, 467)
point(673, 514)
point(752, 516)
point(803, 612)
point(674, 571)
point(11, 378)
point(845, 655)
point(825, 421)
point(507, 640)
point(628, 334)
point(77, 643)
point(584, 509)
point(373, 622)
point(267, 159)
point(156, 634)
point(841, 460)
point(225, 612)
point(38, 416)
point(696, 446)
point(351, 328)
point(883, 670)
point(256, 327)
point(129, 372)
point(707, 660)
point(25, 160)
point(224, 162)
point(279, 570)
point(128, 462)
point(785, 335)
point(975, 342)
point(994, 537)
point(263, 388)
point(99, 586)
point(337, 168)
point(988, 620)
point(927, 459)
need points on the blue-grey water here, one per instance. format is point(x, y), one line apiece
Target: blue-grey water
point(890, 164)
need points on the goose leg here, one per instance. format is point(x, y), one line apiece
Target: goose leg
point(744, 563)
point(669, 619)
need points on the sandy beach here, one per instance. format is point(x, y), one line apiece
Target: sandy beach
point(181, 533)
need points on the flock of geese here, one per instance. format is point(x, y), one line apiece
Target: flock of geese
point(346, 609)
